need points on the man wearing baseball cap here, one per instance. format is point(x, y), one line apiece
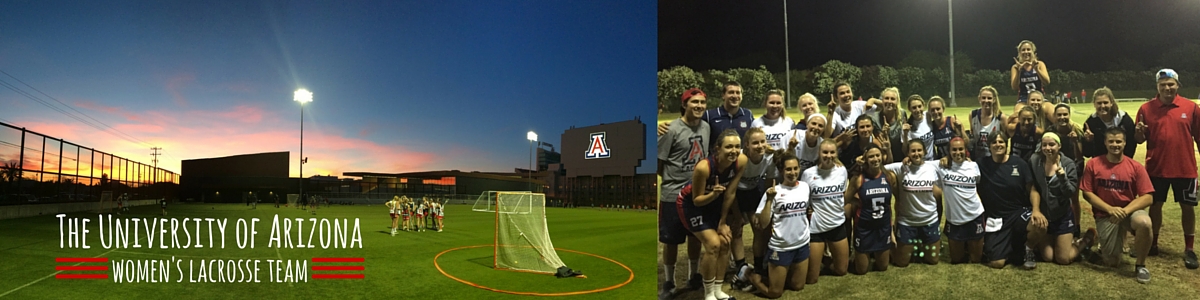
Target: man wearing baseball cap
point(1169, 124)
point(679, 149)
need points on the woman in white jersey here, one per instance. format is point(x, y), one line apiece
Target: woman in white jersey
point(804, 142)
point(827, 192)
point(958, 175)
point(441, 213)
point(758, 175)
point(916, 127)
point(891, 118)
point(917, 231)
point(405, 212)
point(784, 214)
point(870, 195)
point(775, 123)
point(392, 206)
point(986, 121)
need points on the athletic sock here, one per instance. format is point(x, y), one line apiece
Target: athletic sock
point(758, 263)
point(670, 272)
point(717, 284)
point(693, 267)
point(1155, 243)
point(1187, 239)
point(740, 262)
point(708, 290)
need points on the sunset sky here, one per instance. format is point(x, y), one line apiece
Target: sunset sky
point(398, 86)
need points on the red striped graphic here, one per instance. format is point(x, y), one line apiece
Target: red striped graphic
point(337, 268)
point(81, 268)
point(81, 276)
point(337, 276)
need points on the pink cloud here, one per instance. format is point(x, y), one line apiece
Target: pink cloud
point(89, 104)
point(192, 134)
point(176, 83)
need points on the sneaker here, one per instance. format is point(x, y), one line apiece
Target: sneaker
point(1143, 275)
point(1088, 239)
point(1030, 260)
point(741, 285)
point(1189, 260)
point(666, 290)
point(694, 283)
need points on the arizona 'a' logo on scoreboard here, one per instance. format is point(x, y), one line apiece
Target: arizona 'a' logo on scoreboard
point(598, 147)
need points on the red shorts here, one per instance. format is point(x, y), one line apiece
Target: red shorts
point(393, 215)
point(406, 217)
point(420, 215)
point(439, 217)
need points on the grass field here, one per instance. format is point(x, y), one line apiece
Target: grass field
point(396, 267)
point(1170, 280)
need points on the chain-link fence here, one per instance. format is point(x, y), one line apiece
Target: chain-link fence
point(37, 168)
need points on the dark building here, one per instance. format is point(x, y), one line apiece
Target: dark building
point(232, 178)
point(599, 165)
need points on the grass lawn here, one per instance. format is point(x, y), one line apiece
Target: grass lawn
point(394, 267)
point(1170, 280)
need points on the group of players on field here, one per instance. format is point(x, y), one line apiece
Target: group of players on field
point(423, 214)
point(1008, 186)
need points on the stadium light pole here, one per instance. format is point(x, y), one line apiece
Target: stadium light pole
point(302, 96)
point(950, 8)
point(532, 138)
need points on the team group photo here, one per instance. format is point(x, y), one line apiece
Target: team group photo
point(855, 181)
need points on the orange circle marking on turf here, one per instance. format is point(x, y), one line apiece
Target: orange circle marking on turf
point(439, 268)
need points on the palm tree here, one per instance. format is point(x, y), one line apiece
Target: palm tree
point(10, 174)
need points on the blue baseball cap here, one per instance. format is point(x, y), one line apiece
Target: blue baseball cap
point(1166, 73)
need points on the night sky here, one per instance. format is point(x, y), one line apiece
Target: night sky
point(1072, 35)
point(399, 86)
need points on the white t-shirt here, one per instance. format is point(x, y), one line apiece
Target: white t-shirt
point(807, 155)
point(843, 120)
point(958, 191)
point(762, 170)
point(924, 133)
point(827, 193)
point(776, 130)
point(917, 206)
point(789, 217)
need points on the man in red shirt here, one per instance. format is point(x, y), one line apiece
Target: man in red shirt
point(1169, 124)
point(1119, 190)
point(1083, 96)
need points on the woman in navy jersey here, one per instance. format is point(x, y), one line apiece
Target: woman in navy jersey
point(943, 127)
point(784, 214)
point(705, 203)
point(870, 196)
point(807, 104)
point(1025, 134)
point(866, 133)
point(1027, 73)
point(827, 186)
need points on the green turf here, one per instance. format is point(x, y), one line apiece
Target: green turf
point(1169, 278)
point(395, 267)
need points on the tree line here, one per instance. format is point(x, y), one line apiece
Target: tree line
point(920, 73)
